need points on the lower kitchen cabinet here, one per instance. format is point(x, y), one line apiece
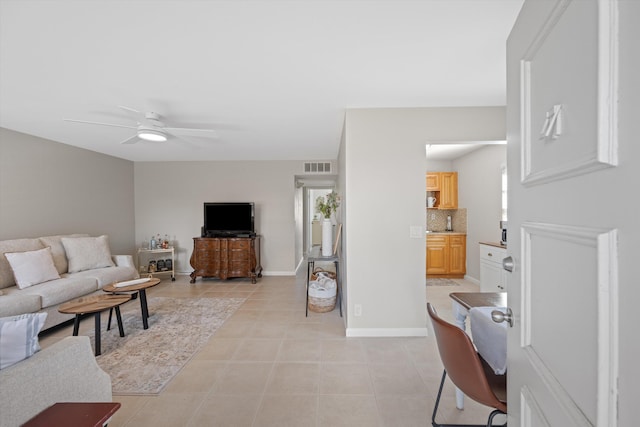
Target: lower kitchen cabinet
point(446, 255)
point(493, 278)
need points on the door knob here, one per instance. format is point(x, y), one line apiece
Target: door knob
point(499, 317)
point(507, 264)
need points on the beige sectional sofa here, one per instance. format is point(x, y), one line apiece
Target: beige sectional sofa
point(47, 296)
point(66, 371)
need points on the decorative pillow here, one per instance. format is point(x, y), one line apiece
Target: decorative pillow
point(57, 250)
point(19, 337)
point(87, 253)
point(32, 267)
point(16, 245)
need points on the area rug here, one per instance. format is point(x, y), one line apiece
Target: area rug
point(441, 282)
point(144, 361)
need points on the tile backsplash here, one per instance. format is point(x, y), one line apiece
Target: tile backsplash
point(437, 219)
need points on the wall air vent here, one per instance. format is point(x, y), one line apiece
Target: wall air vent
point(317, 167)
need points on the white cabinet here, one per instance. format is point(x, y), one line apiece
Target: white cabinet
point(493, 278)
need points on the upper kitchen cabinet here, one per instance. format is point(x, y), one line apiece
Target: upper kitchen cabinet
point(433, 181)
point(443, 186)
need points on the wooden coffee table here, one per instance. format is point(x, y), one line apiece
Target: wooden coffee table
point(95, 304)
point(141, 289)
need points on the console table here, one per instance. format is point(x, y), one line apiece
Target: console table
point(225, 257)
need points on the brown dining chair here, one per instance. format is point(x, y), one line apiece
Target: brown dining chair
point(467, 370)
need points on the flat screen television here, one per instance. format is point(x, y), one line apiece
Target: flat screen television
point(228, 219)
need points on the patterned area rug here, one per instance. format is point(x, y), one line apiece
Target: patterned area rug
point(144, 361)
point(441, 282)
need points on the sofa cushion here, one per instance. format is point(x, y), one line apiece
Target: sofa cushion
point(105, 276)
point(18, 302)
point(32, 267)
point(62, 290)
point(86, 253)
point(16, 245)
point(57, 250)
point(19, 337)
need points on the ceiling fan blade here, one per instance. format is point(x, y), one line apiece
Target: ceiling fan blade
point(208, 132)
point(130, 140)
point(182, 140)
point(101, 124)
point(129, 109)
point(192, 141)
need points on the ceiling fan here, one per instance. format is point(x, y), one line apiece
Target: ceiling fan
point(149, 128)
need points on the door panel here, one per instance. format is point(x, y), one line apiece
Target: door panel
point(583, 136)
point(561, 131)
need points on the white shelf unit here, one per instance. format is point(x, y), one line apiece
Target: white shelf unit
point(147, 255)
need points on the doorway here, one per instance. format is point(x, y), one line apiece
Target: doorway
point(306, 218)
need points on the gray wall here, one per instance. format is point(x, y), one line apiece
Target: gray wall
point(169, 199)
point(384, 163)
point(480, 192)
point(50, 188)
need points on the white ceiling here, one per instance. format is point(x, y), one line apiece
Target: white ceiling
point(274, 78)
point(449, 151)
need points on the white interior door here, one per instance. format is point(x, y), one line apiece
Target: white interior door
point(562, 128)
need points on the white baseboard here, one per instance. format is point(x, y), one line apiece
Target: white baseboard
point(472, 279)
point(386, 332)
point(278, 273)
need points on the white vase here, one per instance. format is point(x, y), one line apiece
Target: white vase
point(327, 237)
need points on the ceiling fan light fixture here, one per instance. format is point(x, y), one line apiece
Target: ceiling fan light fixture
point(152, 135)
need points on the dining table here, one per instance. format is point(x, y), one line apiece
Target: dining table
point(489, 337)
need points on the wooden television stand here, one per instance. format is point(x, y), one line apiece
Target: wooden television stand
point(225, 257)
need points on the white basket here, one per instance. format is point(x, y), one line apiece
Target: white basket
point(322, 295)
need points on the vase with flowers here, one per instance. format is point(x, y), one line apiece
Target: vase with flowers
point(327, 205)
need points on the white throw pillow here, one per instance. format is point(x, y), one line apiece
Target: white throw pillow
point(19, 337)
point(87, 253)
point(32, 267)
point(57, 250)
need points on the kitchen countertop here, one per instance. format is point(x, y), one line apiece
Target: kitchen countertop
point(496, 244)
point(445, 232)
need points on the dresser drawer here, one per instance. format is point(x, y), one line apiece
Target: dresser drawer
point(239, 244)
point(492, 253)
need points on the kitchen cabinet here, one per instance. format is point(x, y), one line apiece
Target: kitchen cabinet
point(433, 181)
point(444, 187)
point(437, 254)
point(446, 255)
point(458, 255)
point(493, 278)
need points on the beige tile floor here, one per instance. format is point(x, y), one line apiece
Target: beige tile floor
point(269, 365)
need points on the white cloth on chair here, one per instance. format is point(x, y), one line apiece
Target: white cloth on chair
point(489, 337)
